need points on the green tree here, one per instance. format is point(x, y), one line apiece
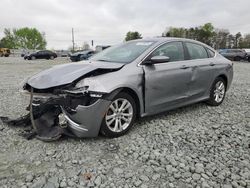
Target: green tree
point(9, 40)
point(220, 38)
point(203, 33)
point(132, 35)
point(28, 38)
point(245, 42)
point(206, 33)
point(238, 38)
point(176, 32)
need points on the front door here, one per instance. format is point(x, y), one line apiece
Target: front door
point(166, 84)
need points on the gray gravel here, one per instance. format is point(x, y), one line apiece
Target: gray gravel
point(195, 146)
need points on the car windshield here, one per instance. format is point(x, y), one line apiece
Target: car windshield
point(124, 53)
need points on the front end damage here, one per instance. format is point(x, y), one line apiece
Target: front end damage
point(66, 100)
point(75, 112)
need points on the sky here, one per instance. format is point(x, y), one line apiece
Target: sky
point(107, 21)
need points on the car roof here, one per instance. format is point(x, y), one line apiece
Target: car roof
point(163, 39)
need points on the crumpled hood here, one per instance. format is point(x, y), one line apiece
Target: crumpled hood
point(67, 73)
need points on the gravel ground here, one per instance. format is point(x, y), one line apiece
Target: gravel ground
point(195, 146)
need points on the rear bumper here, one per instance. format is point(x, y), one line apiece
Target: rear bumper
point(86, 121)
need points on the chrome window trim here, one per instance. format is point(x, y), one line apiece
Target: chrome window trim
point(215, 53)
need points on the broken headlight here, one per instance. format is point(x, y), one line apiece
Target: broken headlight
point(82, 84)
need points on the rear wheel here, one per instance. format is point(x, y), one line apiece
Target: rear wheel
point(217, 92)
point(120, 116)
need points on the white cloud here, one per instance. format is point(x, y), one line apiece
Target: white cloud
point(106, 22)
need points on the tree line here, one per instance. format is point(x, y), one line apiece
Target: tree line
point(207, 33)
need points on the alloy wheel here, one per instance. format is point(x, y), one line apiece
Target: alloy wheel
point(119, 115)
point(219, 91)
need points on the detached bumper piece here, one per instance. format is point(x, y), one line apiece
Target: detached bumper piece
point(46, 127)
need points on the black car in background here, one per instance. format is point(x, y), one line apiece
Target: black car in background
point(42, 54)
point(234, 54)
point(248, 54)
point(81, 55)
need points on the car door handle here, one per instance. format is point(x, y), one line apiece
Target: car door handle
point(211, 64)
point(184, 67)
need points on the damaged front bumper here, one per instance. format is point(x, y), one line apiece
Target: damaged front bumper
point(71, 113)
point(86, 121)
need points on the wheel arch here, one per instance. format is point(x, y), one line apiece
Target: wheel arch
point(224, 77)
point(133, 94)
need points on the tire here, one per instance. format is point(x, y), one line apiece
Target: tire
point(217, 92)
point(117, 126)
point(52, 57)
point(33, 58)
point(237, 58)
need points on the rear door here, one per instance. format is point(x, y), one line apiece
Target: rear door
point(202, 63)
point(166, 84)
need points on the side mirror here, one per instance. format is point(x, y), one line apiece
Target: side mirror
point(160, 59)
point(157, 59)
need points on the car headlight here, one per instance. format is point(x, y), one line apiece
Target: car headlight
point(91, 86)
point(91, 83)
point(81, 84)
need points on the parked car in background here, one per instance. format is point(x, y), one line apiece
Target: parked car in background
point(106, 93)
point(42, 54)
point(100, 48)
point(81, 55)
point(234, 54)
point(24, 52)
point(4, 52)
point(248, 54)
point(62, 53)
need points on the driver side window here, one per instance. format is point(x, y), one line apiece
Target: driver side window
point(173, 50)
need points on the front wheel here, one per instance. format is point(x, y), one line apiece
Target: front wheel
point(120, 116)
point(33, 57)
point(52, 57)
point(217, 92)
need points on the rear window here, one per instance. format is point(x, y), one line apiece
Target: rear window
point(196, 51)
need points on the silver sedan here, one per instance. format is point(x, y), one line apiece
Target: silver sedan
point(106, 93)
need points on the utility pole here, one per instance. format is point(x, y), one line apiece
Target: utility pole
point(73, 39)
